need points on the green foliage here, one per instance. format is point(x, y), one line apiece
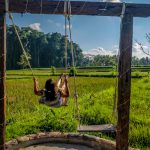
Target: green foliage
point(53, 70)
point(114, 69)
point(24, 58)
point(73, 71)
point(45, 49)
point(26, 116)
point(106, 60)
point(145, 80)
point(49, 50)
point(137, 73)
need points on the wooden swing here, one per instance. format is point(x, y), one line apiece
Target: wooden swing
point(105, 128)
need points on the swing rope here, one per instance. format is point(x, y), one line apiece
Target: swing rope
point(67, 12)
point(21, 44)
point(66, 35)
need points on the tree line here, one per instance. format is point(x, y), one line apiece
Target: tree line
point(107, 60)
point(46, 50)
point(43, 50)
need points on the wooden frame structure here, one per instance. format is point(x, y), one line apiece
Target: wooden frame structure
point(81, 8)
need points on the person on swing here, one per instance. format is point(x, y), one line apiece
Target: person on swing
point(54, 94)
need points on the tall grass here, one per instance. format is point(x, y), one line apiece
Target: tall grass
point(26, 116)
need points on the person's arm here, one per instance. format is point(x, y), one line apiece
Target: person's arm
point(65, 89)
point(58, 83)
point(36, 87)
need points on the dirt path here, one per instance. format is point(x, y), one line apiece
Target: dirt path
point(50, 146)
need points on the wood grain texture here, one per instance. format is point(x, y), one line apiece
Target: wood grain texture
point(106, 128)
point(78, 8)
point(124, 82)
point(2, 79)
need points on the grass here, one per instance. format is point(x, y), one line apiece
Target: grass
point(83, 72)
point(26, 116)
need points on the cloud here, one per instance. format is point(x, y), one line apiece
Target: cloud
point(35, 26)
point(136, 51)
point(52, 22)
point(99, 51)
point(113, 1)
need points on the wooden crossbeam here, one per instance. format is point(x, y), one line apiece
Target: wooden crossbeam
point(78, 8)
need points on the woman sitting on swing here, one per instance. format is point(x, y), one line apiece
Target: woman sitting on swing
point(54, 94)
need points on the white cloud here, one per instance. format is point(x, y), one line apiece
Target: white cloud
point(99, 51)
point(35, 26)
point(136, 51)
point(113, 1)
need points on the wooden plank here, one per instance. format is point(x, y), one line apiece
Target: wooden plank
point(97, 128)
point(124, 82)
point(78, 8)
point(2, 79)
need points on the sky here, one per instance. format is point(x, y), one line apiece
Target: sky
point(94, 34)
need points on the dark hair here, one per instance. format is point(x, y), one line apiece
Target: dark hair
point(50, 90)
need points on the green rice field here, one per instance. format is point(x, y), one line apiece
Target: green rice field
point(26, 116)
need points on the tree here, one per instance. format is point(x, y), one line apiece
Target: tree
point(24, 59)
point(45, 49)
point(53, 70)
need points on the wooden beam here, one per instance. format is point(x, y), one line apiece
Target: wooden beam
point(78, 8)
point(2, 79)
point(124, 82)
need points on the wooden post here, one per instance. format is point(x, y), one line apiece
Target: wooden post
point(124, 82)
point(2, 79)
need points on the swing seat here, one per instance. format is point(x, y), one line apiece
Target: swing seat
point(105, 128)
point(53, 104)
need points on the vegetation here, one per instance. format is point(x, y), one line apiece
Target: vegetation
point(24, 58)
point(108, 71)
point(53, 70)
point(107, 60)
point(73, 71)
point(26, 116)
point(45, 49)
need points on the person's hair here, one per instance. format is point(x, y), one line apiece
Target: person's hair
point(50, 90)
